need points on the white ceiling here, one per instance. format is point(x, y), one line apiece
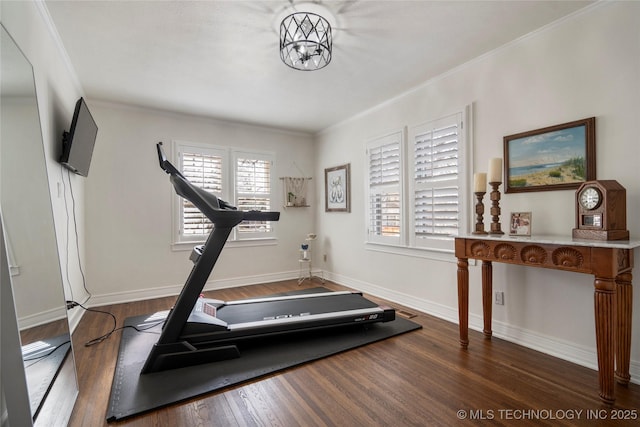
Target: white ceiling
point(220, 58)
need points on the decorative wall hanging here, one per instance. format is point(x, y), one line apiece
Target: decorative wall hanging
point(557, 157)
point(337, 189)
point(295, 191)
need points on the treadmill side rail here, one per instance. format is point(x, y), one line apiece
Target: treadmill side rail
point(291, 297)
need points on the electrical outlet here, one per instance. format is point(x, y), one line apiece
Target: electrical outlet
point(499, 298)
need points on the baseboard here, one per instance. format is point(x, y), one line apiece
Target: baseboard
point(565, 350)
point(167, 291)
point(42, 318)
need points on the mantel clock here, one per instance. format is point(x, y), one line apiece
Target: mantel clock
point(601, 211)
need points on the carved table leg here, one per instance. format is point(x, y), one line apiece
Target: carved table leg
point(605, 315)
point(623, 332)
point(487, 290)
point(463, 301)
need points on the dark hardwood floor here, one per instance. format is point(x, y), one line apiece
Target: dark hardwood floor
point(422, 378)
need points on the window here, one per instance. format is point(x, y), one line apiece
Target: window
point(419, 202)
point(385, 212)
point(436, 182)
point(253, 191)
point(204, 168)
point(244, 179)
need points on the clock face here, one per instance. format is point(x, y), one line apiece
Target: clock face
point(590, 198)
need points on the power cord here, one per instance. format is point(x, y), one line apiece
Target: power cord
point(72, 304)
point(75, 226)
point(37, 359)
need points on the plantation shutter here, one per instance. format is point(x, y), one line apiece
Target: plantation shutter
point(253, 190)
point(206, 172)
point(436, 189)
point(385, 184)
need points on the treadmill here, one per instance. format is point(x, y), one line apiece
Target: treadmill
point(201, 330)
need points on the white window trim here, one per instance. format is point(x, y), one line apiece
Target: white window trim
point(184, 243)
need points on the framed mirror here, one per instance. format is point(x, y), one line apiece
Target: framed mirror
point(32, 264)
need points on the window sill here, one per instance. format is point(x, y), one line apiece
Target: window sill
point(187, 246)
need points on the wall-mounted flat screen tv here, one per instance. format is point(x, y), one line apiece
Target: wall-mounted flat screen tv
point(77, 144)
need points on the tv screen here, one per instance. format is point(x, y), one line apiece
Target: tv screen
point(77, 144)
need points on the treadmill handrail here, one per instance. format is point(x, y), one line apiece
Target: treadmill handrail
point(224, 217)
point(166, 164)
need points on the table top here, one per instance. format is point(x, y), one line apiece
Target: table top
point(555, 240)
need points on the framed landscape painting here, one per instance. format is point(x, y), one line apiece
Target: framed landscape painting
point(553, 158)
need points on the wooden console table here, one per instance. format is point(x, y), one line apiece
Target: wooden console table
point(610, 262)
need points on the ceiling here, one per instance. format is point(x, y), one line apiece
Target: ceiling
point(220, 59)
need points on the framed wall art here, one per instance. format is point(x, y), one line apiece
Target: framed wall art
point(557, 157)
point(520, 224)
point(337, 189)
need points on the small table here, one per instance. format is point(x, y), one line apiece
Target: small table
point(305, 269)
point(611, 262)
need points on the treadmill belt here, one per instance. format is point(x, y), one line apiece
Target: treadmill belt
point(257, 311)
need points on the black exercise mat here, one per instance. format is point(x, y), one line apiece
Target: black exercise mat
point(132, 393)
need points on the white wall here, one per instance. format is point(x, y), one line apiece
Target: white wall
point(128, 205)
point(26, 210)
point(587, 65)
point(57, 90)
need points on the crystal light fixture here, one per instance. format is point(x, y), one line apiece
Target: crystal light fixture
point(305, 41)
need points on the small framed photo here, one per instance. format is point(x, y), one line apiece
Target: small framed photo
point(520, 224)
point(337, 191)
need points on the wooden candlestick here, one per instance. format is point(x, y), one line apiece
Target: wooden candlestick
point(479, 213)
point(495, 208)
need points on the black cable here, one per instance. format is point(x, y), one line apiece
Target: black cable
point(101, 338)
point(66, 210)
point(44, 356)
point(75, 224)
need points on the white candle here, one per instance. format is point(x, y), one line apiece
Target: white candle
point(479, 182)
point(495, 170)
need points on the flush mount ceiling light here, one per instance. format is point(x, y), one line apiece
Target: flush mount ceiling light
point(305, 41)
